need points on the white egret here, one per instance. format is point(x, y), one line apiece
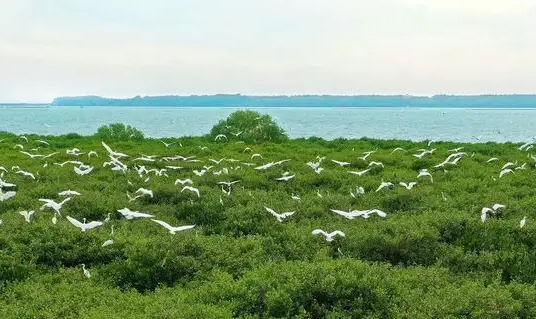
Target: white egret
point(285, 178)
point(7, 195)
point(144, 192)
point(342, 164)
point(52, 204)
point(220, 137)
point(191, 189)
point(69, 193)
point(81, 172)
point(128, 214)
point(185, 181)
point(358, 191)
point(424, 173)
point(408, 186)
point(360, 173)
point(172, 229)
point(328, 236)
point(279, 217)
point(86, 271)
point(523, 222)
point(107, 243)
point(384, 184)
point(167, 144)
point(505, 171)
point(84, 226)
point(28, 215)
point(25, 173)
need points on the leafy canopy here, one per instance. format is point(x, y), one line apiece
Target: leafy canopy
point(252, 126)
point(119, 132)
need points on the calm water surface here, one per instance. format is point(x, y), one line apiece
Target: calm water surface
point(402, 123)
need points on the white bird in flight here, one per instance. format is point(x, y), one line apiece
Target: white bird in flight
point(342, 164)
point(69, 193)
point(52, 204)
point(112, 152)
point(506, 171)
point(172, 229)
point(144, 192)
point(128, 214)
point(384, 184)
point(279, 217)
point(185, 181)
point(360, 173)
point(408, 186)
point(108, 243)
point(84, 226)
point(7, 195)
point(424, 173)
point(329, 237)
point(358, 191)
point(191, 189)
point(493, 210)
point(81, 172)
point(28, 215)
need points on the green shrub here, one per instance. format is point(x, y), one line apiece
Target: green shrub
point(119, 132)
point(252, 126)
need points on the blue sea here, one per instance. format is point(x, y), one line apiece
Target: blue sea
point(448, 124)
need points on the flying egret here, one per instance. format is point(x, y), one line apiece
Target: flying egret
point(25, 173)
point(360, 173)
point(384, 184)
point(265, 166)
point(144, 192)
point(285, 178)
point(408, 186)
point(81, 172)
point(84, 226)
point(508, 165)
point(172, 229)
point(340, 163)
point(69, 193)
point(167, 144)
point(32, 156)
point(505, 171)
point(128, 214)
point(185, 181)
point(52, 204)
point(220, 137)
point(7, 195)
point(328, 236)
point(493, 210)
point(358, 191)
point(191, 189)
point(424, 173)
point(107, 243)
point(375, 164)
point(396, 150)
point(28, 215)
point(279, 217)
point(112, 152)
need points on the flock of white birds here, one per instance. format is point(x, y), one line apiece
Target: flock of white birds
point(117, 163)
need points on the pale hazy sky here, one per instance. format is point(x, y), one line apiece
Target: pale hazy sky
point(121, 48)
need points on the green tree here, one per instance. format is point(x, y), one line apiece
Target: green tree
point(249, 126)
point(119, 132)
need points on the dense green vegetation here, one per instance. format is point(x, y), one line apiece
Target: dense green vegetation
point(119, 132)
point(250, 127)
point(429, 258)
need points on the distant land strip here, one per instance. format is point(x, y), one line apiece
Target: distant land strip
point(238, 100)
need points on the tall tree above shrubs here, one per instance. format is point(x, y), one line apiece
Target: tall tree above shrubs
point(252, 126)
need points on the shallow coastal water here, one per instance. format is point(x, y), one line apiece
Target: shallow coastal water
point(454, 124)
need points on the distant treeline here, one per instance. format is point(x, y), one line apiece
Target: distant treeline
point(237, 100)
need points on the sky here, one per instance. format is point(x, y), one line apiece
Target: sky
point(120, 48)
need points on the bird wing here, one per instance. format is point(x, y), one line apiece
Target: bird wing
point(48, 201)
point(65, 200)
point(378, 212)
point(181, 228)
point(337, 232)
point(271, 211)
point(107, 147)
point(92, 224)
point(319, 231)
point(403, 184)
point(486, 210)
point(166, 225)
point(497, 206)
point(138, 214)
point(75, 222)
point(287, 214)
